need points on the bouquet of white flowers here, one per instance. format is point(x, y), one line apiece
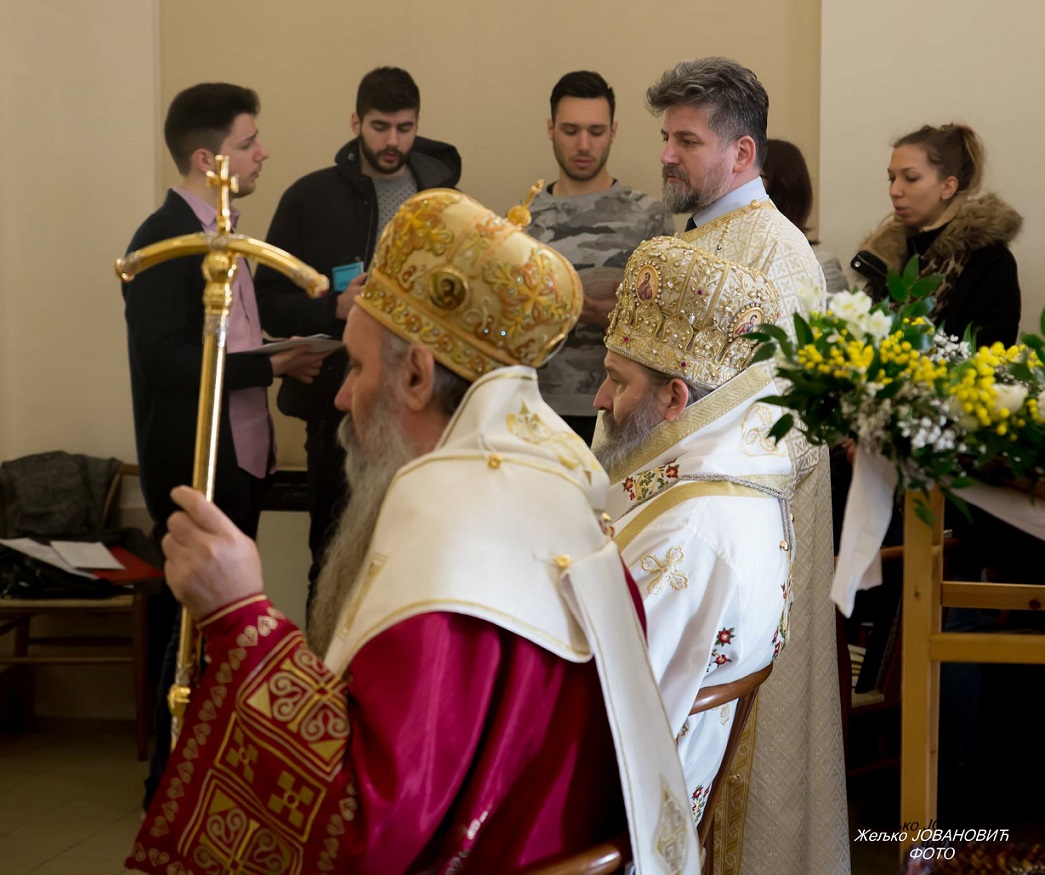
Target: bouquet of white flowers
point(883, 376)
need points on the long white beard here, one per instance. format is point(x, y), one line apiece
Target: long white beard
point(620, 439)
point(370, 466)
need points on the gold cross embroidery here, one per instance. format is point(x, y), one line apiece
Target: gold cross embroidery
point(665, 568)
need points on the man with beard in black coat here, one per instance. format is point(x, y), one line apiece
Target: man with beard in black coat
point(331, 219)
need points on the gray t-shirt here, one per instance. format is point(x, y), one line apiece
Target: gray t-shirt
point(601, 229)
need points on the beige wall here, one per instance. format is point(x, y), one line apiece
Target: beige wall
point(78, 168)
point(78, 164)
point(890, 68)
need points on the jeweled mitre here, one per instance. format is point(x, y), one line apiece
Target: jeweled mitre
point(685, 312)
point(471, 286)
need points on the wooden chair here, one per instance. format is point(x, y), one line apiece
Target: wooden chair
point(743, 691)
point(16, 616)
point(610, 857)
point(604, 858)
point(926, 646)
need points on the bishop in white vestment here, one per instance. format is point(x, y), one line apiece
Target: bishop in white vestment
point(700, 496)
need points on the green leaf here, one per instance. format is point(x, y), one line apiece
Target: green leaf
point(782, 426)
point(925, 285)
point(765, 351)
point(1022, 372)
point(890, 390)
point(924, 514)
point(896, 286)
point(959, 503)
point(802, 330)
point(918, 309)
point(769, 332)
point(1032, 341)
point(910, 271)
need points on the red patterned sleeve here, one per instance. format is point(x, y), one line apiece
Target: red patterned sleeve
point(284, 767)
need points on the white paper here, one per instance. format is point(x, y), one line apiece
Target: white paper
point(44, 554)
point(315, 342)
point(86, 554)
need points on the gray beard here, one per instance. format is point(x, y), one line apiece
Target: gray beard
point(621, 439)
point(679, 199)
point(370, 466)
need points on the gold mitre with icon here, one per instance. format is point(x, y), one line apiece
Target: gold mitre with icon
point(470, 285)
point(685, 312)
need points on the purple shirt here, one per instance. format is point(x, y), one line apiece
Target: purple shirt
point(248, 408)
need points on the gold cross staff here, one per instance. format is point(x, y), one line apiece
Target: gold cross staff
point(220, 249)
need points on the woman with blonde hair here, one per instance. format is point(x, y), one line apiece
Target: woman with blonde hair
point(934, 176)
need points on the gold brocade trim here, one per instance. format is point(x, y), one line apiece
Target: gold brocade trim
point(713, 225)
point(778, 482)
point(731, 810)
point(705, 411)
point(228, 609)
point(675, 496)
point(511, 621)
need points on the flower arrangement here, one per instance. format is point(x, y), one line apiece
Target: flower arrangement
point(883, 376)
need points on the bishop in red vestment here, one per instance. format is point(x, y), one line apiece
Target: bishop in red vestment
point(456, 722)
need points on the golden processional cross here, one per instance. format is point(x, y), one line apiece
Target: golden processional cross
point(220, 250)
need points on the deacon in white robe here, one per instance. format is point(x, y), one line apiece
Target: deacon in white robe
point(790, 815)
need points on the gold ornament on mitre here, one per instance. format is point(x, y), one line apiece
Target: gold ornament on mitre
point(686, 312)
point(471, 286)
point(520, 213)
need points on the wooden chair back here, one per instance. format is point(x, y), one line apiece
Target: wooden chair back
point(604, 858)
point(743, 691)
point(611, 857)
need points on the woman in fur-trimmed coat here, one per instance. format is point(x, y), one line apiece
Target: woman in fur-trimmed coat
point(933, 175)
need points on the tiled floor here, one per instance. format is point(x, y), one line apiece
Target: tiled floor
point(70, 798)
point(70, 793)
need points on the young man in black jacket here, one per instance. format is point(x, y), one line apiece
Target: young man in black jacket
point(164, 310)
point(331, 219)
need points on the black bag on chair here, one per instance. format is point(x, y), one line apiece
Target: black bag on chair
point(23, 577)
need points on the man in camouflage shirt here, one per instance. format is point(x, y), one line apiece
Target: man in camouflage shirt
point(596, 222)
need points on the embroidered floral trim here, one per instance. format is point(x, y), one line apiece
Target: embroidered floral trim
point(698, 800)
point(723, 640)
point(648, 483)
point(782, 634)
